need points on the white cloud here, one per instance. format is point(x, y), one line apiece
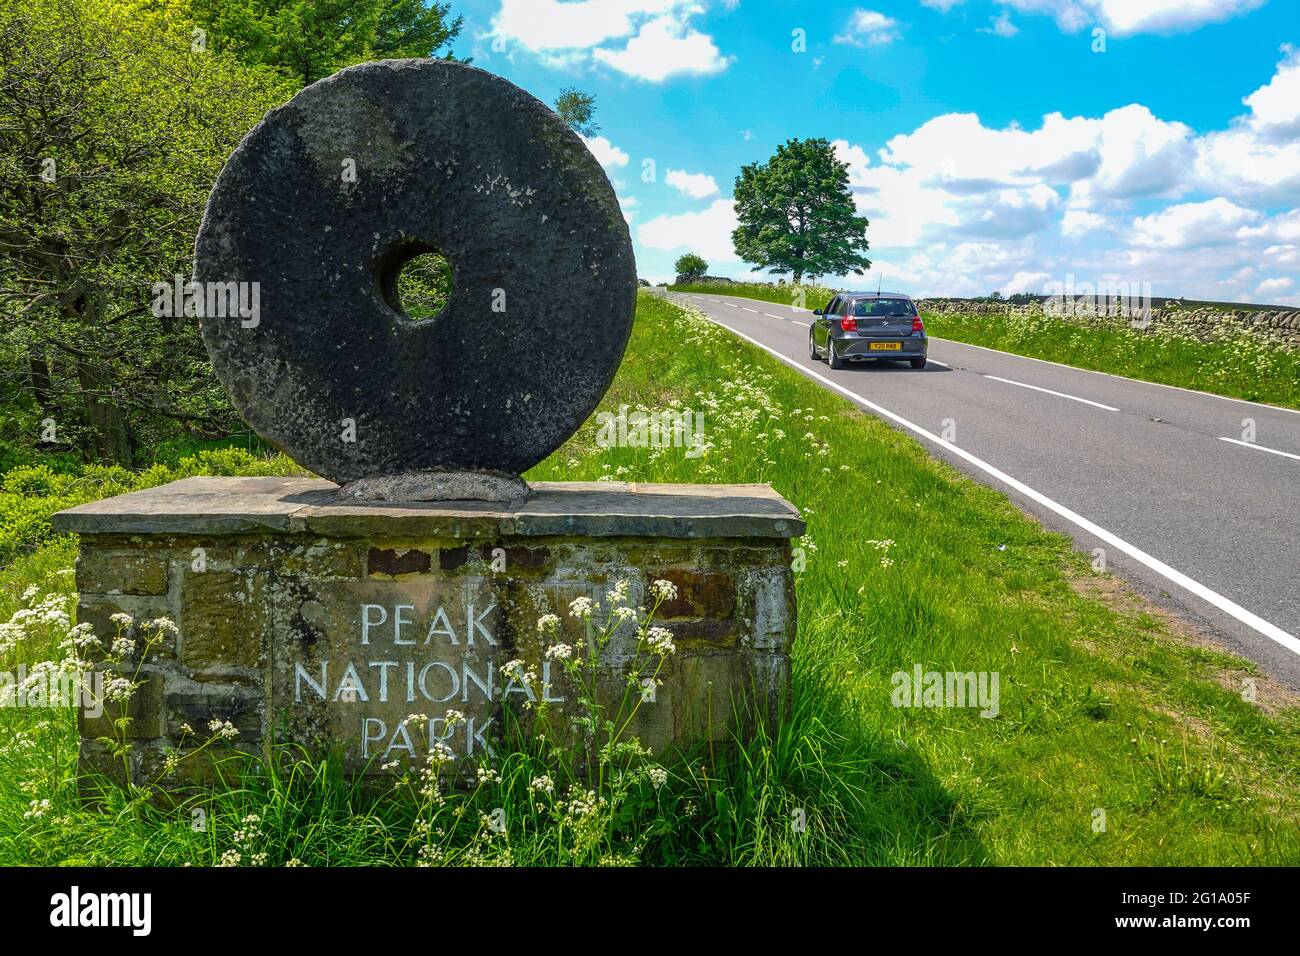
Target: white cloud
point(1274, 287)
point(868, 28)
point(1001, 25)
point(1032, 282)
point(1284, 227)
point(647, 39)
point(1126, 152)
point(695, 185)
point(606, 153)
point(707, 232)
point(1275, 107)
point(574, 24)
point(1192, 224)
point(854, 156)
point(1240, 164)
point(955, 177)
point(1166, 16)
point(665, 47)
point(1078, 222)
point(1258, 157)
point(1122, 17)
point(1140, 155)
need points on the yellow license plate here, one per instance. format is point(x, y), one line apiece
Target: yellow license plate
point(887, 346)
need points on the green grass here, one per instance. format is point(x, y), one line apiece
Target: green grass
point(1237, 365)
point(814, 296)
point(1102, 707)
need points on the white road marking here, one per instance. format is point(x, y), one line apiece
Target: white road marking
point(1251, 620)
point(1124, 378)
point(748, 309)
point(1073, 398)
point(1251, 444)
point(937, 362)
point(797, 322)
point(771, 316)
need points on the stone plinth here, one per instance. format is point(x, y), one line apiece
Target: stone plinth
point(311, 618)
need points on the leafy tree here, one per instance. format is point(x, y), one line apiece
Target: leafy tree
point(310, 39)
point(577, 109)
point(112, 131)
point(796, 213)
point(691, 266)
point(424, 285)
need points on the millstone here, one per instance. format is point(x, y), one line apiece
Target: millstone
point(325, 201)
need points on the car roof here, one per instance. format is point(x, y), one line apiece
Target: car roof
point(876, 295)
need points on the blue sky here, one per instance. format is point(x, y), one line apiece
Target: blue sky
point(994, 144)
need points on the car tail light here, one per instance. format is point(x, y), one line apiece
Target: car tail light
point(849, 323)
point(917, 324)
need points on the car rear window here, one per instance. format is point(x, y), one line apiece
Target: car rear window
point(883, 307)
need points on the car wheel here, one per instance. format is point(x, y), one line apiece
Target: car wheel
point(918, 362)
point(812, 348)
point(834, 360)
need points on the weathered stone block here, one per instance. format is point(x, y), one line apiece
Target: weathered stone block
point(394, 562)
point(195, 705)
point(146, 711)
point(98, 610)
point(224, 621)
point(710, 594)
point(320, 559)
point(102, 571)
point(767, 595)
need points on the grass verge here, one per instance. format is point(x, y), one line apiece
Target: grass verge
point(812, 296)
point(1117, 741)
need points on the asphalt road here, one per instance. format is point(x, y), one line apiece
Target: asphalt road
point(1206, 527)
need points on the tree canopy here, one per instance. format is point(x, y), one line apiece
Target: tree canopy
point(310, 39)
point(112, 129)
point(691, 266)
point(577, 109)
point(796, 213)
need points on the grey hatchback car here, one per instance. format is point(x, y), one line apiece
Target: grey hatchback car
point(868, 327)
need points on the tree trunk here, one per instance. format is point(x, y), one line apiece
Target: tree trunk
point(38, 380)
point(112, 433)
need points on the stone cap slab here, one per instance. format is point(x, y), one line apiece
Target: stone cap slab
point(206, 506)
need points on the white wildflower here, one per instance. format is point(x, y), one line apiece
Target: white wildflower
point(660, 640)
point(223, 729)
point(664, 590)
point(119, 689)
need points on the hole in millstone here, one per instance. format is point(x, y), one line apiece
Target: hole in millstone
point(417, 282)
